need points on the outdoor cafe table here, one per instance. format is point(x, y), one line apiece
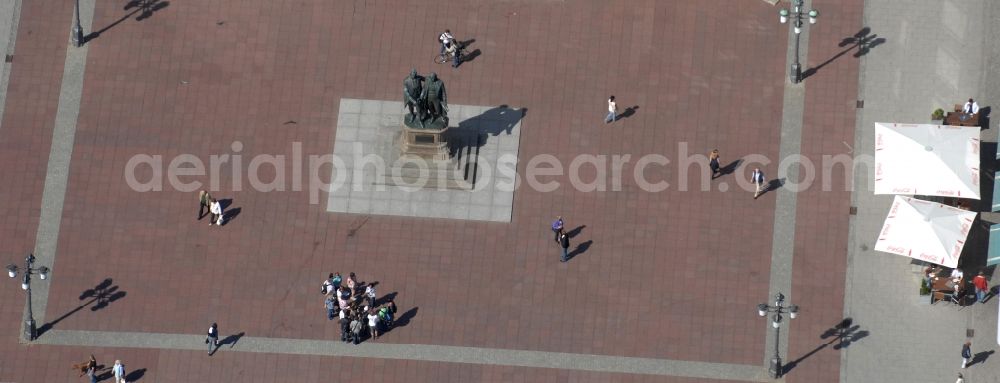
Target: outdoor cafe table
point(961, 119)
point(940, 286)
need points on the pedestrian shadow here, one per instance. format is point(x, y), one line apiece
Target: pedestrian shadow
point(232, 339)
point(629, 112)
point(580, 249)
point(843, 334)
point(134, 376)
point(386, 298)
point(772, 185)
point(729, 169)
point(102, 294)
point(103, 372)
point(980, 357)
point(229, 215)
point(862, 41)
point(145, 9)
point(469, 57)
point(576, 231)
point(225, 202)
point(405, 318)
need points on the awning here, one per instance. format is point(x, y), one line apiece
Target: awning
point(927, 159)
point(925, 230)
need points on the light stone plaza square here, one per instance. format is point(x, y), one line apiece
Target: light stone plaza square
point(481, 137)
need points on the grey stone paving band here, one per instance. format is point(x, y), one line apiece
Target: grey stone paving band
point(57, 172)
point(783, 241)
point(8, 35)
point(419, 352)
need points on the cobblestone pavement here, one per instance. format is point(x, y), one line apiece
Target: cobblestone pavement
point(670, 276)
point(935, 54)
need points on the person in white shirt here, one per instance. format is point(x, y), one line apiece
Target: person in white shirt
point(118, 370)
point(957, 275)
point(971, 107)
point(213, 337)
point(370, 294)
point(757, 177)
point(216, 210)
point(612, 110)
point(445, 38)
point(373, 323)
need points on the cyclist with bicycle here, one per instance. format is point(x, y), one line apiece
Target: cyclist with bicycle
point(450, 47)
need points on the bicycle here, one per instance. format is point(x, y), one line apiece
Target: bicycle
point(449, 56)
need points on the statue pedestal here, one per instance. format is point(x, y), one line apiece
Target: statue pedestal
point(428, 144)
point(425, 162)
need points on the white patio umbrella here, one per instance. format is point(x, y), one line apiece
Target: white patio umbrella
point(925, 230)
point(927, 159)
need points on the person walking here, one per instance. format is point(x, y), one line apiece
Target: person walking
point(713, 162)
point(966, 353)
point(92, 374)
point(118, 371)
point(612, 110)
point(455, 52)
point(757, 177)
point(370, 294)
point(557, 227)
point(213, 337)
point(982, 287)
point(203, 201)
point(564, 242)
point(215, 208)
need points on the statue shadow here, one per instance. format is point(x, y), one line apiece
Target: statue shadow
point(466, 140)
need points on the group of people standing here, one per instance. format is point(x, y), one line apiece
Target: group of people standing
point(355, 305)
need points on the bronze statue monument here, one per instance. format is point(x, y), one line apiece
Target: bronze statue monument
point(426, 100)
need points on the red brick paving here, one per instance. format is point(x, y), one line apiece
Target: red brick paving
point(669, 275)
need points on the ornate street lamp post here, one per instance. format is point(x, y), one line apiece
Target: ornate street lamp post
point(29, 269)
point(796, 14)
point(779, 308)
point(77, 29)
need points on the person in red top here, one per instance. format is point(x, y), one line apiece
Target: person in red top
point(981, 287)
